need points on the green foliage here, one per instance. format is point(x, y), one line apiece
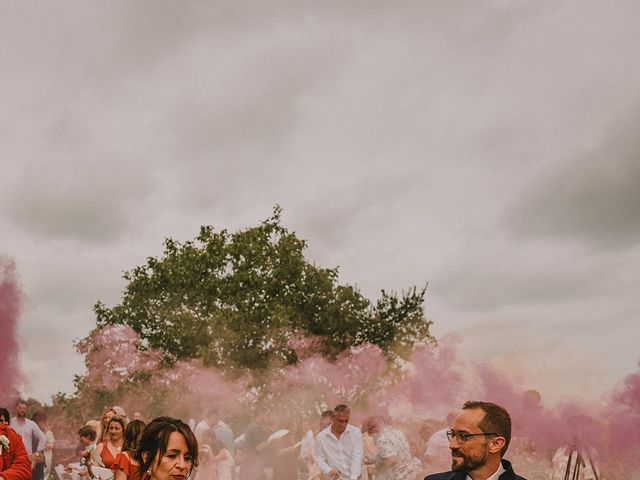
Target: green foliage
point(236, 300)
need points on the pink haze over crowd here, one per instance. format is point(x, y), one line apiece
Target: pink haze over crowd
point(427, 386)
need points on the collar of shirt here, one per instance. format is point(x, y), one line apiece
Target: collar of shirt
point(495, 476)
point(347, 432)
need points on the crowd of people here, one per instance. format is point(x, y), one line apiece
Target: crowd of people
point(272, 447)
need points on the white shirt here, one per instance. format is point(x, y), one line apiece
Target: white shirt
point(344, 453)
point(30, 432)
point(306, 445)
point(201, 429)
point(495, 476)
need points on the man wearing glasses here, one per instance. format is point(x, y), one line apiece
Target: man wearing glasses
point(478, 439)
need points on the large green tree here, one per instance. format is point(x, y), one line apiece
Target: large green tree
point(237, 300)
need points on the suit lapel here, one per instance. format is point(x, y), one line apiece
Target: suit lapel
point(457, 476)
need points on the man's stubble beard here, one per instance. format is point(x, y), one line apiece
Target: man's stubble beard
point(469, 463)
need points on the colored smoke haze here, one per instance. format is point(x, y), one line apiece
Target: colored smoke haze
point(10, 301)
point(432, 383)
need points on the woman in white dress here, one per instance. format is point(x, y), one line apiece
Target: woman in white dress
point(41, 419)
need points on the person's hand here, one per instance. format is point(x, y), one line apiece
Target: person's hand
point(334, 473)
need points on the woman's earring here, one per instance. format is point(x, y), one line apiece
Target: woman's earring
point(149, 471)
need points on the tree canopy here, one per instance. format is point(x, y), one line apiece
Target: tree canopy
point(240, 300)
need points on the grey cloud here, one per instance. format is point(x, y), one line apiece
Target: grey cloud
point(492, 275)
point(85, 201)
point(593, 199)
point(64, 288)
point(336, 214)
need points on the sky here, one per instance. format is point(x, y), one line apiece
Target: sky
point(488, 148)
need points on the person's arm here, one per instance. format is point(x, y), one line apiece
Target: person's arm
point(221, 455)
point(96, 456)
point(384, 463)
point(321, 458)
point(50, 440)
point(357, 454)
point(288, 450)
point(40, 436)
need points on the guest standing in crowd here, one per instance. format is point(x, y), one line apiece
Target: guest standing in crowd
point(167, 450)
point(33, 438)
point(41, 420)
point(103, 430)
point(125, 466)
point(112, 446)
point(339, 449)
point(393, 460)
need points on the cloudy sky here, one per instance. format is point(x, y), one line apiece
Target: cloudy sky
point(490, 148)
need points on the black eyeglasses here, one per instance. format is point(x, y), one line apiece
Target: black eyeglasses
point(463, 436)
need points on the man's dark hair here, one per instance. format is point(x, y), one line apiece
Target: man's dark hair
point(496, 420)
point(87, 431)
point(21, 401)
point(155, 437)
point(341, 408)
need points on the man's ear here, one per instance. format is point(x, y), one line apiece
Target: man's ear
point(496, 444)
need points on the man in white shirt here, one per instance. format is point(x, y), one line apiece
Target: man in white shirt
point(339, 448)
point(33, 438)
point(307, 445)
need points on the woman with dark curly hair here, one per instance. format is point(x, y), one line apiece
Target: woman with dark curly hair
point(167, 450)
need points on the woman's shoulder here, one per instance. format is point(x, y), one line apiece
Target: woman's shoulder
point(122, 461)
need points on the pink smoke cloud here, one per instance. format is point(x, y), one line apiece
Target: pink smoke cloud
point(10, 305)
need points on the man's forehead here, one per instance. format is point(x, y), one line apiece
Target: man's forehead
point(468, 419)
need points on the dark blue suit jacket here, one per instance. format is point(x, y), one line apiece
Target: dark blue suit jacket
point(508, 474)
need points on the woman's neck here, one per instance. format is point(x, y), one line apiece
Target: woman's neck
point(117, 443)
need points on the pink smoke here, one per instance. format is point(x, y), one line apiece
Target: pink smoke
point(432, 383)
point(10, 304)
